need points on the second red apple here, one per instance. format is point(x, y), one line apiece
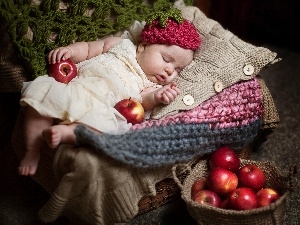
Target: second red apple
point(251, 176)
point(266, 196)
point(197, 186)
point(132, 110)
point(243, 199)
point(207, 197)
point(222, 181)
point(226, 158)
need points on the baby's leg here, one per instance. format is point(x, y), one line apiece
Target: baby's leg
point(34, 124)
point(60, 134)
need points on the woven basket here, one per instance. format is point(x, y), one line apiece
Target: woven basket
point(167, 189)
point(208, 215)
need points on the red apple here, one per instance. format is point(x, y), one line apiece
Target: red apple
point(242, 199)
point(266, 196)
point(226, 158)
point(197, 186)
point(132, 110)
point(208, 197)
point(251, 176)
point(222, 181)
point(224, 203)
point(63, 71)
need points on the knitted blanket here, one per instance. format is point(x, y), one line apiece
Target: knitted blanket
point(233, 118)
point(167, 145)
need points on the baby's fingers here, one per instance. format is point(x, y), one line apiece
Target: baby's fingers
point(174, 91)
point(165, 99)
point(168, 96)
point(58, 54)
point(174, 87)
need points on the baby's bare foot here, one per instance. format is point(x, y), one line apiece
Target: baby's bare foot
point(52, 136)
point(29, 164)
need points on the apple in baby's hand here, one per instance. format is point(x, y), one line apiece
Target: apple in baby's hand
point(197, 186)
point(222, 181)
point(226, 158)
point(251, 176)
point(266, 196)
point(132, 110)
point(207, 197)
point(243, 199)
point(63, 71)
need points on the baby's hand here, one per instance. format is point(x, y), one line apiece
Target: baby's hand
point(59, 54)
point(167, 93)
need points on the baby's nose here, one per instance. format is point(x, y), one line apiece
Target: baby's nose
point(169, 70)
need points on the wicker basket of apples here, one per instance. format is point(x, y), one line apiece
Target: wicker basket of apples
point(225, 189)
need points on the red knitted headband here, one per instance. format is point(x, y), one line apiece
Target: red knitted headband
point(182, 34)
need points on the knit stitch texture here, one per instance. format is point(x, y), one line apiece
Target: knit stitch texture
point(36, 27)
point(233, 117)
point(166, 145)
point(234, 106)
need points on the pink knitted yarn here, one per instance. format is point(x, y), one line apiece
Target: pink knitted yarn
point(182, 34)
point(236, 105)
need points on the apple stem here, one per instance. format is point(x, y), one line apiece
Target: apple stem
point(66, 71)
point(128, 104)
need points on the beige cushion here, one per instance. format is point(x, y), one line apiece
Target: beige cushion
point(222, 60)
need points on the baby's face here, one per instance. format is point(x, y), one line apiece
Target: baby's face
point(162, 63)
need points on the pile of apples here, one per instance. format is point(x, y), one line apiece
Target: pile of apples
point(229, 185)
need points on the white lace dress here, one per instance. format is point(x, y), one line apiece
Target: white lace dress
point(90, 98)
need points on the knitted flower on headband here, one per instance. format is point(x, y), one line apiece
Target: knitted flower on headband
point(182, 34)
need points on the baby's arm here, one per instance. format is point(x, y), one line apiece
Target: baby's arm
point(164, 95)
point(80, 51)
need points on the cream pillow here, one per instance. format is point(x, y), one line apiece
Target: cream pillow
point(222, 60)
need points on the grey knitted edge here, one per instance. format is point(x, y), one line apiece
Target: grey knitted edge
point(166, 145)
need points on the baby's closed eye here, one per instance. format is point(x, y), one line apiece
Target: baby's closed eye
point(166, 59)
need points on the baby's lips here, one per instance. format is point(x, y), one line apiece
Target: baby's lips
point(160, 78)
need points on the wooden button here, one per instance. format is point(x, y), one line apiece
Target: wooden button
point(218, 86)
point(188, 100)
point(248, 70)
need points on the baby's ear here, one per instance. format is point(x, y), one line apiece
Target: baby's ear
point(141, 47)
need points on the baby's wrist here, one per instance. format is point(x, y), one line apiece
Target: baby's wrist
point(70, 50)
